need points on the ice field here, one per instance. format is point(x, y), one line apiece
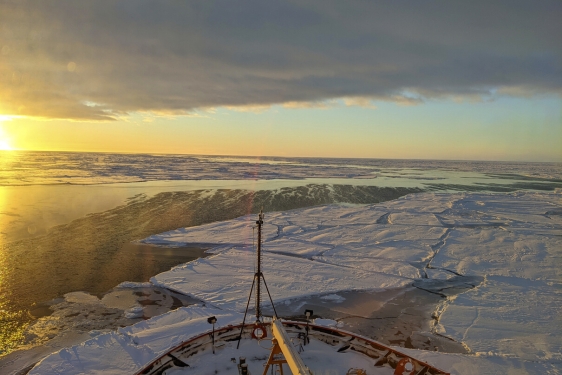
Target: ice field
point(507, 246)
point(513, 241)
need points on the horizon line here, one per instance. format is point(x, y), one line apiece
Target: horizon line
point(287, 157)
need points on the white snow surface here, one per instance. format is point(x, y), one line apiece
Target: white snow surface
point(224, 279)
point(511, 322)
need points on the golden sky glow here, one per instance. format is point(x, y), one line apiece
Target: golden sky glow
point(371, 79)
point(508, 129)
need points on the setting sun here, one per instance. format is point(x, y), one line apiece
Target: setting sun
point(4, 140)
point(5, 146)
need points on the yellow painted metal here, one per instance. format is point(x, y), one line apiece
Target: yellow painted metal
point(272, 360)
point(293, 359)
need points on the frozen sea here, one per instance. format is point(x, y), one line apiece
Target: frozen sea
point(74, 226)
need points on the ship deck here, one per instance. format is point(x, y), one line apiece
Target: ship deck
point(328, 351)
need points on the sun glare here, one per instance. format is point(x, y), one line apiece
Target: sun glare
point(5, 146)
point(4, 140)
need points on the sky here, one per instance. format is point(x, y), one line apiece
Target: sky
point(474, 80)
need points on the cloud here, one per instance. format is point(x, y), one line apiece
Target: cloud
point(174, 56)
point(250, 108)
point(359, 101)
point(310, 104)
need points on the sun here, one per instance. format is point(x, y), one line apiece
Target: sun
point(5, 146)
point(4, 139)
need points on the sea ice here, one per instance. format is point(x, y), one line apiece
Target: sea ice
point(333, 298)
point(490, 251)
point(501, 252)
point(224, 280)
point(495, 259)
point(82, 297)
point(238, 231)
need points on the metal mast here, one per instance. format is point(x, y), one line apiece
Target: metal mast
point(258, 273)
point(258, 278)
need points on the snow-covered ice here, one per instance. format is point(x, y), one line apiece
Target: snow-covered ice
point(224, 279)
point(333, 298)
point(506, 247)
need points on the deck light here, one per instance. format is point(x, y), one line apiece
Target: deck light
point(308, 314)
point(212, 320)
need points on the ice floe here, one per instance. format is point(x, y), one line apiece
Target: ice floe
point(224, 280)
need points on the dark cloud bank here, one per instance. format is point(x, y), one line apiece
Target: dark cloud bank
point(95, 59)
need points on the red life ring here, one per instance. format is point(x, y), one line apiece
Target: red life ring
point(259, 332)
point(405, 367)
